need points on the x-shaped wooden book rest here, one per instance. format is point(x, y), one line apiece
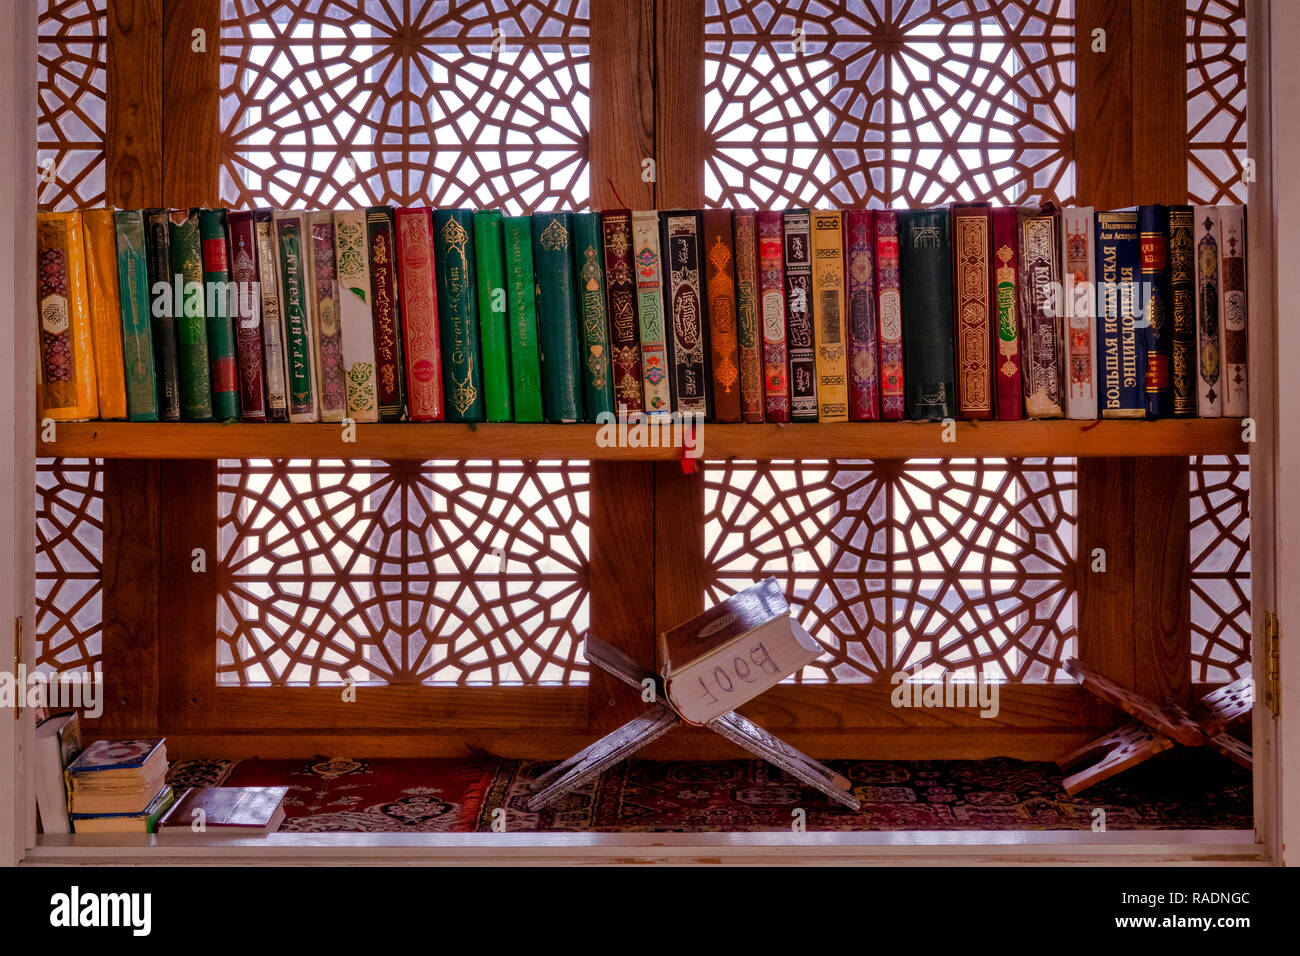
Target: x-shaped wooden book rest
point(635, 734)
point(1156, 728)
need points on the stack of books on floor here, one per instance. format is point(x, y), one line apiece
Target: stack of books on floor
point(119, 786)
point(806, 315)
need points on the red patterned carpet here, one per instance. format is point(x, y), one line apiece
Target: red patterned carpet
point(1181, 789)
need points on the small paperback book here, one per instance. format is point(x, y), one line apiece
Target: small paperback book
point(225, 812)
point(58, 741)
point(731, 653)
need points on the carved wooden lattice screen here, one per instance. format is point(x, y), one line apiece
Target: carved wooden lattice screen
point(71, 78)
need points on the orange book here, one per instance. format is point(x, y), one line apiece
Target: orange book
point(105, 314)
point(65, 371)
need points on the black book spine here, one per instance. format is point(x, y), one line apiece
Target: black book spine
point(925, 254)
point(166, 365)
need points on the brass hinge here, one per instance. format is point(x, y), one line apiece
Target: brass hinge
point(1272, 664)
point(18, 667)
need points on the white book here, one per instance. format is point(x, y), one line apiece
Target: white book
point(1078, 276)
point(296, 282)
point(1233, 330)
point(1205, 242)
point(58, 741)
point(650, 313)
point(355, 316)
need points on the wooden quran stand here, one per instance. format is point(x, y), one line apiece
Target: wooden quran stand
point(636, 733)
point(1156, 728)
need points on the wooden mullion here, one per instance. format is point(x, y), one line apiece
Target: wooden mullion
point(133, 139)
point(1103, 103)
point(191, 116)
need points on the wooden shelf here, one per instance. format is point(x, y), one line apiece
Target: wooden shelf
point(1027, 439)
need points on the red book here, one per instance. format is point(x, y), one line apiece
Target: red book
point(1008, 393)
point(720, 270)
point(864, 333)
point(620, 306)
point(248, 321)
point(972, 292)
point(230, 811)
point(771, 297)
point(420, 342)
point(889, 308)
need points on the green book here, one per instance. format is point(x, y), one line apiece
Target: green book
point(191, 326)
point(493, 317)
point(557, 316)
point(458, 319)
point(220, 311)
point(525, 360)
point(589, 261)
point(137, 330)
point(294, 242)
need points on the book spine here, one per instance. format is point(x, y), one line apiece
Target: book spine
point(1232, 250)
point(656, 383)
point(275, 365)
point(972, 237)
point(720, 283)
point(1078, 243)
point(1119, 366)
point(1209, 389)
point(1182, 309)
point(748, 336)
point(105, 322)
point(589, 261)
point(1008, 390)
point(192, 355)
point(163, 320)
point(798, 316)
point(521, 288)
point(557, 319)
point(1040, 277)
point(829, 335)
point(65, 369)
point(381, 251)
point(421, 327)
point(328, 334)
point(1153, 308)
point(493, 310)
point(295, 300)
point(864, 336)
point(620, 300)
point(690, 374)
point(219, 308)
point(137, 334)
point(458, 318)
point(889, 308)
point(246, 308)
point(771, 293)
point(356, 321)
point(925, 262)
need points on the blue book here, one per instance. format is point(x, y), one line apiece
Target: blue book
point(1121, 351)
point(116, 755)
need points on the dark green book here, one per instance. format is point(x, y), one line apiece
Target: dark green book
point(925, 267)
point(521, 293)
point(137, 333)
point(159, 261)
point(489, 250)
point(220, 305)
point(458, 319)
point(294, 241)
point(557, 316)
point(191, 322)
point(589, 261)
point(1182, 310)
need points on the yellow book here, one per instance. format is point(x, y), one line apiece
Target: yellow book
point(105, 310)
point(65, 371)
point(829, 337)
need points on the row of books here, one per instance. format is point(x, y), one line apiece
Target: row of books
point(967, 311)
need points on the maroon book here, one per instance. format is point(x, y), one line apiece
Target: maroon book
point(771, 305)
point(864, 334)
point(889, 309)
point(720, 277)
point(1008, 393)
point(248, 317)
point(620, 306)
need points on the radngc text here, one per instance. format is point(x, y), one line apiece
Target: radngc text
point(1194, 897)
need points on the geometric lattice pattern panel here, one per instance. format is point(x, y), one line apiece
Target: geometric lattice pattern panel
point(954, 567)
point(69, 564)
point(352, 103)
point(71, 76)
point(888, 102)
point(1216, 100)
point(402, 572)
point(1220, 560)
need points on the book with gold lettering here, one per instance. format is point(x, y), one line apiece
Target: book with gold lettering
point(687, 335)
point(136, 307)
point(190, 313)
point(720, 282)
point(458, 318)
point(1079, 286)
point(65, 372)
point(889, 308)
point(1182, 309)
point(771, 297)
point(1208, 312)
point(381, 252)
point(1119, 351)
point(294, 240)
point(1008, 392)
point(656, 382)
point(798, 316)
point(274, 360)
point(421, 333)
point(356, 320)
point(105, 310)
point(595, 371)
point(749, 335)
point(860, 300)
point(620, 301)
point(1232, 288)
point(521, 289)
point(247, 312)
point(972, 239)
point(325, 312)
point(829, 335)
point(1042, 352)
